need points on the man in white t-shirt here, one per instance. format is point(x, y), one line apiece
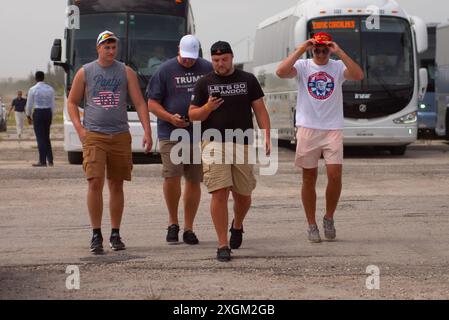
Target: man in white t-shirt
point(320, 121)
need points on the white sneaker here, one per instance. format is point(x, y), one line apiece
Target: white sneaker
point(329, 229)
point(314, 234)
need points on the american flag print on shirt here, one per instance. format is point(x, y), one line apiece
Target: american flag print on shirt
point(107, 99)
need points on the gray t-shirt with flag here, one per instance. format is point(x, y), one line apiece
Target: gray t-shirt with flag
point(106, 97)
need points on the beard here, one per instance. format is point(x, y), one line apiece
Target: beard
point(223, 71)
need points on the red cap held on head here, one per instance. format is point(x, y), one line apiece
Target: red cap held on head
point(322, 37)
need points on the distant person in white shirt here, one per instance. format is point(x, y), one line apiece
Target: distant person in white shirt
point(320, 121)
point(41, 104)
point(158, 57)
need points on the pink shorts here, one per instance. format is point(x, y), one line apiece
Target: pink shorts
point(312, 143)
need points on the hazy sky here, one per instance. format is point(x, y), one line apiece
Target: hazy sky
point(27, 28)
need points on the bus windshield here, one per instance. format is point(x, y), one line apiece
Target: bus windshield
point(83, 40)
point(152, 40)
point(388, 54)
point(146, 40)
point(385, 54)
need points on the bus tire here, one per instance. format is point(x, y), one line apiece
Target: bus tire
point(398, 151)
point(75, 158)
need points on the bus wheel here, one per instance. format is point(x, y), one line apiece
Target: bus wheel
point(398, 151)
point(75, 158)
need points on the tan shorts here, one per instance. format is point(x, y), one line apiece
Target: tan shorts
point(110, 152)
point(191, 172)
point(229, 173)
point(312, 143)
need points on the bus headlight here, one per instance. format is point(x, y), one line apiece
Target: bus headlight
point(407, 119)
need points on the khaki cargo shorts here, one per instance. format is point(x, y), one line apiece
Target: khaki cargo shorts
point(190, 171)
point(234, 171)
point(111, 153)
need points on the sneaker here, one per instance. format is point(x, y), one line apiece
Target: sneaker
point(329, 229)
point(116, 243)
point(190, 238)
point(172, 234)
point(96, 245)
point(224, 254)
point(314, 234)
point(236, 237)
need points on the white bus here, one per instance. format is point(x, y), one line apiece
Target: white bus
point(148, 29)
point(442, 80)
point(381, 110)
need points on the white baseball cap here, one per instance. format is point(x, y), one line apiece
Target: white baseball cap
point(189, 47)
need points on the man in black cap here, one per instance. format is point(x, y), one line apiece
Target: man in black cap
point(224, 101)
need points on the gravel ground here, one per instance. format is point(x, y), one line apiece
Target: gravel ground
point(394, 214)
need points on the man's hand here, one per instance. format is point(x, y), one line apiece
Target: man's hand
point(308, 45)
point(30, 120)
point(334, 48)
point(147, 143)
point(178, 121)
point(82, 133)
point(268, 146)
point(214, 103)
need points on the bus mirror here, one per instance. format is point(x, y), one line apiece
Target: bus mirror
point(423, 83)
point(56, 50)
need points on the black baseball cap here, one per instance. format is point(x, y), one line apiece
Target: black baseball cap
point(221, 47)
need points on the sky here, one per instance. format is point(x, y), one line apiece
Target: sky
point(27, 28)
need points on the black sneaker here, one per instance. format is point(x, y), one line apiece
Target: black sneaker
point(96, 245)
point(224, 254)
point(116, 243)
point(236, 237)
point(190, 238)
point(172, 234)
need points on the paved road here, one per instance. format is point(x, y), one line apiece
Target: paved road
point(394, 214)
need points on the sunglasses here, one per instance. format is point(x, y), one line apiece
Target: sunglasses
point(324, 51)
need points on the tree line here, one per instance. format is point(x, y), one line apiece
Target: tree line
point(54, 76)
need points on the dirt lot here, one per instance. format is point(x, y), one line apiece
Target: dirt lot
point(394, 214)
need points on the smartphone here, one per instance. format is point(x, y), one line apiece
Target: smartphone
point(186, 119)
point(216, 95)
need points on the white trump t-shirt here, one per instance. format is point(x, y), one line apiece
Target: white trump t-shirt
point(320, 95)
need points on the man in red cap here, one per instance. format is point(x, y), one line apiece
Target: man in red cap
point(320, 121)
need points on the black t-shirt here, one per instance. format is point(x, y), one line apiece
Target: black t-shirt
point(19, 104)
point(238, 91)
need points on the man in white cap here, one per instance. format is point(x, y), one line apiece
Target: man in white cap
point(169, 93)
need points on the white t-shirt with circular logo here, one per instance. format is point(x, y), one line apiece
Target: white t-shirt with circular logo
point(320, 95)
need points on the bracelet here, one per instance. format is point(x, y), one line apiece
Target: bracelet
point(206, 106)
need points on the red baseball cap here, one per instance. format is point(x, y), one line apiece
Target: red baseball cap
point(322, 37)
